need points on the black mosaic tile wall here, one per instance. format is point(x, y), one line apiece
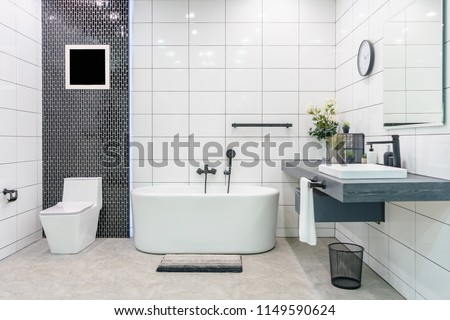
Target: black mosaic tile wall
point(79, 124)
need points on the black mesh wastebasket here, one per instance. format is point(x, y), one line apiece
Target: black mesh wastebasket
point(346, 265)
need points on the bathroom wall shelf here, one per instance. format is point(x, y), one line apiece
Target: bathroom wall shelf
point(413, 188)
point(285, 125)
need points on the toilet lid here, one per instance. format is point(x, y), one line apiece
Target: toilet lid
point(68, 208)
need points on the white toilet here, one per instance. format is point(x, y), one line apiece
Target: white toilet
point(71, 225)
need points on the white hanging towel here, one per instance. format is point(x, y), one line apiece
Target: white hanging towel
point(306, 221)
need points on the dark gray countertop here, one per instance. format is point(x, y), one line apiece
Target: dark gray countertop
point(413, 188)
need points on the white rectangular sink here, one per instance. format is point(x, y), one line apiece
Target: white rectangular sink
point(362, 171)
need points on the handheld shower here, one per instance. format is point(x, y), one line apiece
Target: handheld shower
point(230, 155)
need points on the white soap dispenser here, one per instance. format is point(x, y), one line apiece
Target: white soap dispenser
point(372, 156)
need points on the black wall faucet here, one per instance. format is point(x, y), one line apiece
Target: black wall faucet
point(205, 171)
point(397, 161)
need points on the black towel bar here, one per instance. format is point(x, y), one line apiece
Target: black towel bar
point(286, 125)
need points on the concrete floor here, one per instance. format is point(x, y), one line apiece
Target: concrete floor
point(114, 269)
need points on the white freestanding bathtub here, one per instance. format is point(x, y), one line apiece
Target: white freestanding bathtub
point(183, 219)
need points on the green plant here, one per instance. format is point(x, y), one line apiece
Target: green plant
point(364, 156)
point(323, 118)
point(345, 124)
point(349, 156)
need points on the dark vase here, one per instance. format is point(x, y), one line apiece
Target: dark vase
point(350, 160)
point(346, 129)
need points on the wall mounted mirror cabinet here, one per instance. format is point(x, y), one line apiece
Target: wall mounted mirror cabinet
point(414, 66)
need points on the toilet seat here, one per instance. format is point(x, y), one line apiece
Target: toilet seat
point(68, 207)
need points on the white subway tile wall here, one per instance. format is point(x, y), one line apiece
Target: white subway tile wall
point(20, 124)
point(200, 65)
point(411, 249)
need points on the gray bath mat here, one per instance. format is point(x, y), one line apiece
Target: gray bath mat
point(200, 263)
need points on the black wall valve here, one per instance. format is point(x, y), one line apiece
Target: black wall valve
point(13, 194)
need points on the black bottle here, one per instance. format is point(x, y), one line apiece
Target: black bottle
point(386, 156)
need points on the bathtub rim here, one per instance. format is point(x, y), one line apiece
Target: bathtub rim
point(178, 191)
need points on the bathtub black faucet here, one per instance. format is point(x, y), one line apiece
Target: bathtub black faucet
point(205, 171)
point(230, 155)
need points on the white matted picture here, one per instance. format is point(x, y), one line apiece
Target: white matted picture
point(87, 67)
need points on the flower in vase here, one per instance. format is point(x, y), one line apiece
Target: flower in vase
point(323, 119)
